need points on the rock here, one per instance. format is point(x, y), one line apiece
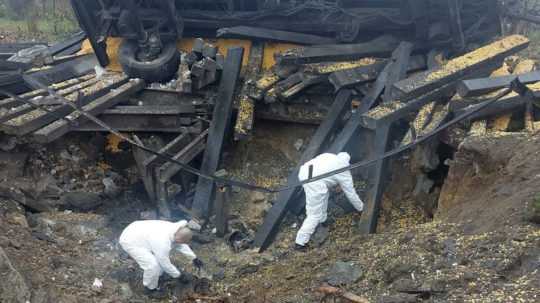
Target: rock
point(202, 238)
point(76, 226)
point(124, 291)
point(18, 219)
point(8, 143)
point(343, 273)
point(247, 269)
point(194, 225)
point(219, 275)
point(320, 236)
point(405, 285)
point(401, 298)
point(12, 164)
point(257, 197)
point(396, 270)
point(111, 189)
point(13, 287)
point(83, 201)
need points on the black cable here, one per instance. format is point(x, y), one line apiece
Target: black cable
point(251, 187)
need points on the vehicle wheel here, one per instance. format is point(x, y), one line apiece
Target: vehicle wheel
point(161, 69)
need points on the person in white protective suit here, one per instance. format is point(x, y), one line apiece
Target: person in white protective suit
point(317, 192)
point(149, 243)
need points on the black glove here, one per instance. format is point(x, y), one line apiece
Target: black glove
point(198, 263)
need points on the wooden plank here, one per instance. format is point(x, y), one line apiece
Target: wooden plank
point(222, 210)
point(509, 103)
point(146, 175)
point(376, 179)
point(380, 47)
point(59, 128)
point(264, 34)
point(38, 118)
point(172, 147)
point(218, 127)
point(270, 226)
point(398, 70)
point(151, 110)
point(477, 87)
point(186, 155)
point(458, 68)
point(142, 123)
point(352, 77)
point(69, 93)
point(307, 81)
point(11, 102)
point(390, 112)
point(246, 108)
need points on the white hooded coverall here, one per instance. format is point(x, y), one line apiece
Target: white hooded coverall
point(149, 243)
point(317, 192)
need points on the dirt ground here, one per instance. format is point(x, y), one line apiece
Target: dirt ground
point(479, 248)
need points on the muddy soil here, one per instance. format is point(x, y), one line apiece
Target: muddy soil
point(481, 247)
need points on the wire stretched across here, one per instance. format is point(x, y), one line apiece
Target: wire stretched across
point(247, 186)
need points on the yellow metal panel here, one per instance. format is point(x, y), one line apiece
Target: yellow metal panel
point(270, 49)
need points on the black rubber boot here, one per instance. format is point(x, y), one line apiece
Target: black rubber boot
point(300, 248)
point(155, 293)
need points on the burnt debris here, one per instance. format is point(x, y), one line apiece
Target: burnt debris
point(358, 70)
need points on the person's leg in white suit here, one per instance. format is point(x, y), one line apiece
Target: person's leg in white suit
point(316, 205)
point(149, 264)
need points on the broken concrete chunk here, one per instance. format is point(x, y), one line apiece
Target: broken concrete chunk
point(198, 46)
point(343, 273)
point(209, 51)
point(83, 201)
point(13, 287)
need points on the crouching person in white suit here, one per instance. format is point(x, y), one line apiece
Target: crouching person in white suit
point(317, 192)
point(149, 243)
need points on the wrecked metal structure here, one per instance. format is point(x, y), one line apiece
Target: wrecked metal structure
point(367, 73)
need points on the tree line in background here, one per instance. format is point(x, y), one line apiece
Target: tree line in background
point(53, 17)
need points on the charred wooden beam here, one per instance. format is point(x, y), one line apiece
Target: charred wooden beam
point(326, 68)
point(458, 68)
point(246, 108)
point(376, 178)
point(267, 231)
point(165, 172)
point(11, 102)
point(349, 78)
point(506, 104)
point(146, 175)
point(142, 123)
point(61, 127)
point(307, 81)
point(477, 87)
point(220, 122)
point(380, 47)
point(38, 118)
point(185, 155)
point(264, 34)
point(222, 206)
point(171, 148)
point(69, 93)
point(398, 70)
point(185, 110)
point(421, 120)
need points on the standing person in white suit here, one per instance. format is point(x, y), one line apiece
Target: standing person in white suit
point(317, 192)
point(149, 243)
